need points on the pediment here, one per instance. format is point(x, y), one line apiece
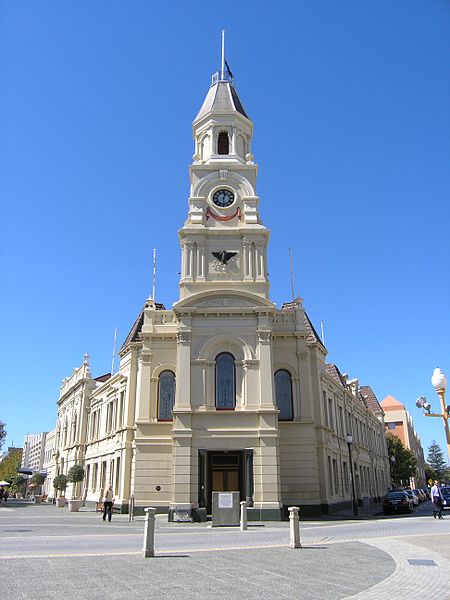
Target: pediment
point(224, 300)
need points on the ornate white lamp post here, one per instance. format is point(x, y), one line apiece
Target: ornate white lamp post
point(439, 381)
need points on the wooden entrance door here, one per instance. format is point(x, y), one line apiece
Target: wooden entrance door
point(224, 474)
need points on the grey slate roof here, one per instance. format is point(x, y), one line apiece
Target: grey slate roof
point(136, 329)
point(334, 372)
point(312, 333)
point(221, 98)
point(371, 400)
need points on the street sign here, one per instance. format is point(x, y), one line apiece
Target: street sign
point(430, 481)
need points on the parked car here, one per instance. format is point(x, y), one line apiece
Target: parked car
point(419, 495)
point(446, 495)
point(397, 502)
point(427, 493)
point(413, 497)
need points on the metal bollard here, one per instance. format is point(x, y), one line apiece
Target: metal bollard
point(149, 532)
point(294, 527)
point(243, 525)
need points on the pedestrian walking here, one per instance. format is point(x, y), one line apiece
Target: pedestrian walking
point(5, 495)
point(108, 501)
point(437, 499)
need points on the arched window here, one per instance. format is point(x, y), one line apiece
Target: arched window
point(166, 395)
point(223, 143)
point(225, 382)
point(283, 395)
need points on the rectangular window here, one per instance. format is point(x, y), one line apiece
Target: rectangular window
point(103, 476)
point(391, 426)
point(330, 477)
point(331, 413)
point(122, 400)
point(94, 477)
point(116, 489)
point(325, 411)
point(341, 421)
point(88, 474)
point(346, 479)
point(111, 472)
point(335, 477)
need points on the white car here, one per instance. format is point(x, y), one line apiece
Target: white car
point(414, 498)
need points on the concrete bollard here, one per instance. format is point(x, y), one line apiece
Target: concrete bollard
point(149, 532)
point(243, 524)
point(294, 527)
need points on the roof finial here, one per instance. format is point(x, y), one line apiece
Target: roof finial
point(222, 68)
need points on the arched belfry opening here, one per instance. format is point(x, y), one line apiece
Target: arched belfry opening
point(223, 143)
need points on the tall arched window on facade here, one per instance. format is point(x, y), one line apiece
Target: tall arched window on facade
point(283, 395)
point(225, 381)
point(223, 143)
point(166, 395)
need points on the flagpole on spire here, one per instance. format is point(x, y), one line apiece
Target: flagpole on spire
point(154, 275)
point(222, 69)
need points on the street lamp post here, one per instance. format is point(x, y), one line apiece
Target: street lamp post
point(439, 381)
point(349, 440)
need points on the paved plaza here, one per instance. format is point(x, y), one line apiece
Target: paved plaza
point(50, 553)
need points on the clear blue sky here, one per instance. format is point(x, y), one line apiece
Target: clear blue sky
point(350, 102)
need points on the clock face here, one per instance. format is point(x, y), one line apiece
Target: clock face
point(223, 198)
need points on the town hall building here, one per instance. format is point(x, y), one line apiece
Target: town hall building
point(224, 391)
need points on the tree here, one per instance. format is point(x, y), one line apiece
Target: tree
point(405, 465)
point(60, 483)
point(18, 484)
point(10, 464)
point(2, 433)
point(430, 473)
point(436, 460)
point(75, 475)
point(38, 479)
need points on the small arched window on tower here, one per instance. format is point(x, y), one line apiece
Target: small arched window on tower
point(223, 143)
point(283, 395)
point(166, 395)
point(225, 382)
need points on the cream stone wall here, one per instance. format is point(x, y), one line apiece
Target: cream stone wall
point(224, 306)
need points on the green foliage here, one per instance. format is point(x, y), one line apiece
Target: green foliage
point(2, 433)
point(10, 464)
point(76, 473)
point(60, 483)
point(436, 460)
point(38, 479)
point(430, 473)
point(405, 465)
point(18, 485)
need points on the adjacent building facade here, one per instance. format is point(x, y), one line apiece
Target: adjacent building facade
point(225, 391)
point(33, 452)
point(400, 423)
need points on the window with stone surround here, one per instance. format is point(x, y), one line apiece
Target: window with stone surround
point(225, 382)
point(283, 395)
point(166, 395)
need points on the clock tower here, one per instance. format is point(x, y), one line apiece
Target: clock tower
point(224, 415)
point(224, 244)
